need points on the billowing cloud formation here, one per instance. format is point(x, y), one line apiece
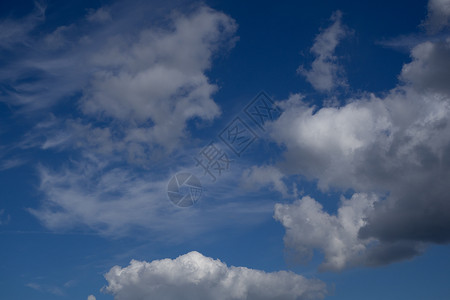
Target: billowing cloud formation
point(397, 146)
point(308, 227)
point(159, 77)
point(430, 69)
point(325, 71)
point(194, 276)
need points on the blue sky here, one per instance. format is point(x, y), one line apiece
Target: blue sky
point(319, 133)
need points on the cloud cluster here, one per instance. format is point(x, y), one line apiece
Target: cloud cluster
point(324, 74)
point(149, 79)
point(396, 146)
point(132, 77)
point(194, 276)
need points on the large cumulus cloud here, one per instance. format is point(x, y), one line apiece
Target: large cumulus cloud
point(396, 146)
point(194, 276)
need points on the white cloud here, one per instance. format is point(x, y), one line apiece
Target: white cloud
point(339, 145)
point(159, 77)
point(4, 217)
point(255, 177)
point(7, 164)
point(33, 286)
point(70, 283)
point(54, 290)
point(91, 297)
point(438, 15)
point(134, 84)
point(148, 83)
point(324, 74)
point(16, 32)
point(322, 143)
point(308, 227)
point(430, 67)
point(194, 276)
point(108, 201)
point(100, 15)
point(396, 145)
point(95, 195)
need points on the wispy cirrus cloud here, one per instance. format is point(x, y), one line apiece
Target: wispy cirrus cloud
point(263, 176)
point(53, 290)
point(135, 76)
point(4, 217)
point(325, 73)
point(16, 32)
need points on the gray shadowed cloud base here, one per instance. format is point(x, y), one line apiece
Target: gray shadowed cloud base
point(393, 151)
